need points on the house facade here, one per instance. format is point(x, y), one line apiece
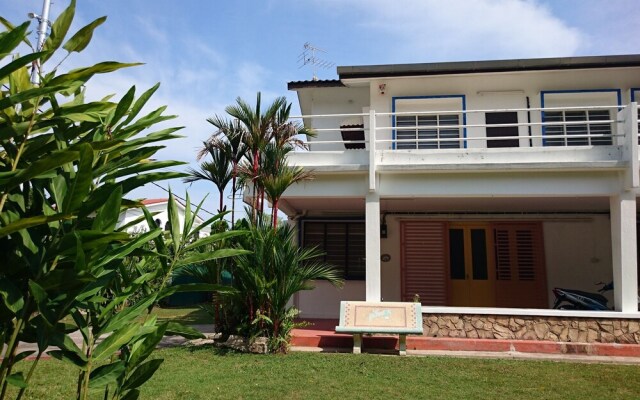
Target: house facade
point(473, 187)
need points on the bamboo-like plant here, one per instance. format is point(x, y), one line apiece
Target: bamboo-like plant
point(65, 166)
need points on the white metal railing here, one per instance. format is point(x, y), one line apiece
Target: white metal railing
point(567, 133)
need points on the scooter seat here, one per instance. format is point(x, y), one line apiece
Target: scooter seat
point(594, 296)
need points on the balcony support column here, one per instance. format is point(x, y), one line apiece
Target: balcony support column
point(624, 252)
point(372, 226)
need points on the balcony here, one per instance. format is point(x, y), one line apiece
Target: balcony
point(552, 138)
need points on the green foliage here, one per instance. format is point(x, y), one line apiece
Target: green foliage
point(65, 166)
point(267, 278)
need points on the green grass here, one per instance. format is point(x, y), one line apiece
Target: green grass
point(204, 374)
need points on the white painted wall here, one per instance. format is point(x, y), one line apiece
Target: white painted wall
point(324, 300)
point(578, 254)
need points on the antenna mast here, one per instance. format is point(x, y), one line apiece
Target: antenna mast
point(44, 24)
point(308, 57)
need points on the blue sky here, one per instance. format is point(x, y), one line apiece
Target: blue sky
point(207, 53)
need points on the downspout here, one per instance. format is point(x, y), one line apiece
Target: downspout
point(529, 122)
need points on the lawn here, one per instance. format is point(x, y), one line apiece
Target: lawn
point(204, 374)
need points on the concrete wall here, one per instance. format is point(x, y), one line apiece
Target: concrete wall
point(578, 254)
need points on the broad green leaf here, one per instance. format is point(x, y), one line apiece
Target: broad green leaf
point(18, 63)
point(207, 223)
point(82, 74)
point(196, 258)
point(123, 107)
point(10, 26)
point(11, 295)
point(39, 294)
point(137, 106)
point(187, 332)
point(142, 374)
point(39, 167)
point(82, 181)
point(188, 218)
point(10, 40)
point(35, 93)
point(174, 221)
point(17, 379)
point(122, 251)
point(195, 287)
point(144, 347)
point(143, 167)
point(81, 39)
point(107, 217)
point(106, 374)
point(59, 29)
point(113, 342)
point(128, 315)
point(21, 356)
point(216, 237)
point(69, 357)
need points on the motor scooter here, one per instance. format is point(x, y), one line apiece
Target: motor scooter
point(570, 299)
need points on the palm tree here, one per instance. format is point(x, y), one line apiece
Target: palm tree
point(229, 138)
point(218, 171)
point(259, 131)
point(278, 176)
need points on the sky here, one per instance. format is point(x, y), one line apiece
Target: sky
point(208, 53)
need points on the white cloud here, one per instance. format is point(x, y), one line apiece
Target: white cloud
point(425, 30)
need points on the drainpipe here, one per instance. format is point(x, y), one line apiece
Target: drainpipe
point(529, 121)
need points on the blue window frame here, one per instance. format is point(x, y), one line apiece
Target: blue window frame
point(576, 115)
point(424, 121)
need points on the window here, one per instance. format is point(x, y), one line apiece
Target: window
point(602, 132)
point(343, 243)
point(428, 131)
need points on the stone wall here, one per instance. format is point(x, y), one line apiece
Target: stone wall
point(556, 329)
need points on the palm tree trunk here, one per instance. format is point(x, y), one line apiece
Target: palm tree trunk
point(221, 200)
point(274, 211)
point(233, 197)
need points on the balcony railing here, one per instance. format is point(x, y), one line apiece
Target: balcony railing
point(466, 129)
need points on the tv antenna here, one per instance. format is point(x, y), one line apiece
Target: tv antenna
point(308, 57)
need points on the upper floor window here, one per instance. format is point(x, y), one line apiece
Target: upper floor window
point(588, 133)
point(428, 131)
point(575, 126)
point(429, 122)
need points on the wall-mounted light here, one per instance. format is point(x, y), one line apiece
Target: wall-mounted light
point(382, 88)
point(383, 227)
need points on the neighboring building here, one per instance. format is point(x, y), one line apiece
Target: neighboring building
point(158, 207)
point(491, 183)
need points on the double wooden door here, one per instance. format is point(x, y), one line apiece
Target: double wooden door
point(473, 264)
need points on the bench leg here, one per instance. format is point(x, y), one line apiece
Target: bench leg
point(403, 345)
point(357, 343)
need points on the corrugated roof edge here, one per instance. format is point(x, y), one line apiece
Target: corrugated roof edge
point(309, 84)
point(466, 67)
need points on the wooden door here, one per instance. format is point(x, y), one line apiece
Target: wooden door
point(471, 265)
point(520, 269)
point(423, 262)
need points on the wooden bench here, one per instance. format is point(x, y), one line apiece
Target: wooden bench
point(358, 317)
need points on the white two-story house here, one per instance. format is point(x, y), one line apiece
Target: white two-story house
point(475, 187)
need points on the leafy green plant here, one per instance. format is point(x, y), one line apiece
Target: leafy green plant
point(65, 166)
point(266, 278)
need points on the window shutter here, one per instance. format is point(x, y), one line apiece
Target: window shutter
point(424, 262)
point(520, 272)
